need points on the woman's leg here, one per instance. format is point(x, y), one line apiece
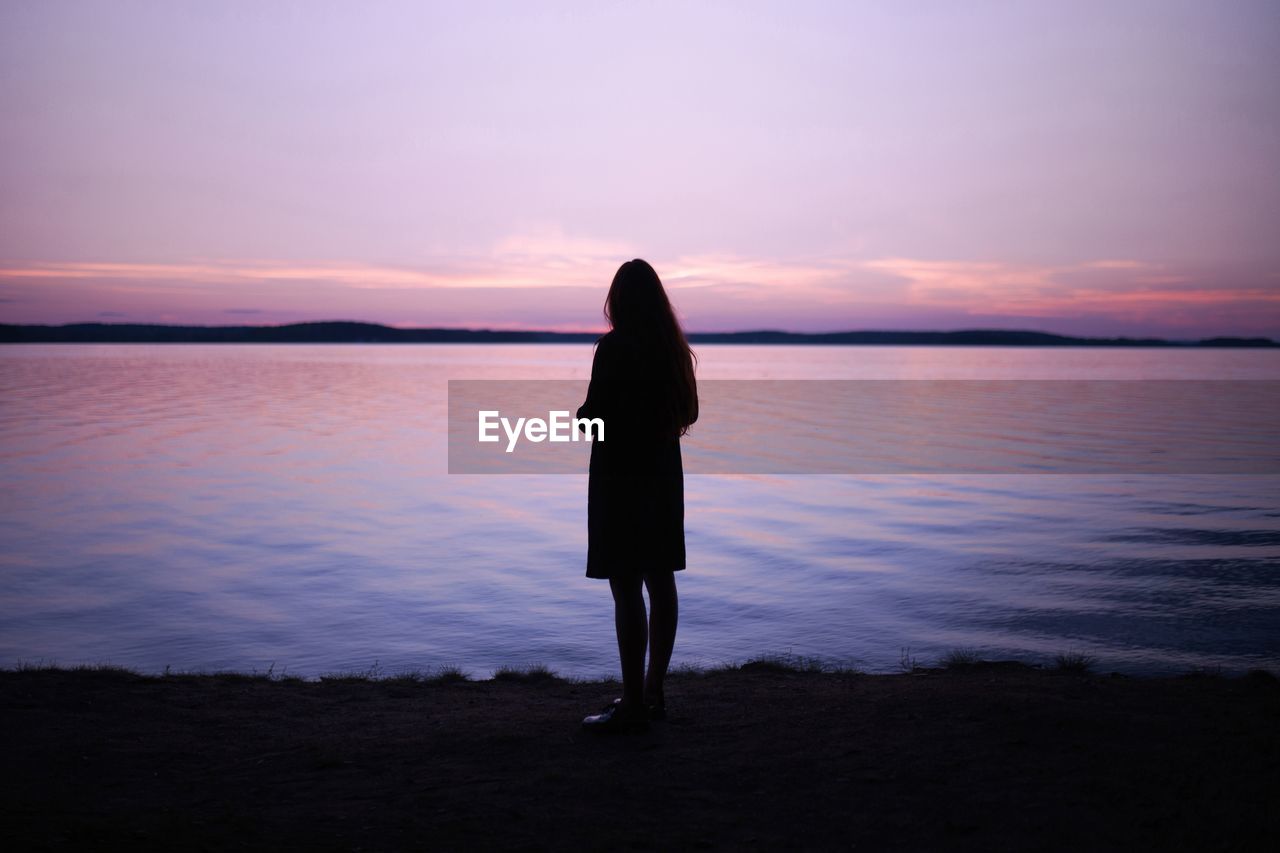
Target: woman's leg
point(629, 620)
point(663, 612)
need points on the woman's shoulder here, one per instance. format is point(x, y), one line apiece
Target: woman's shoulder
point(621, 352)
point(614, 343)
point(606, 344)
point(616, 339)
point(608, 354)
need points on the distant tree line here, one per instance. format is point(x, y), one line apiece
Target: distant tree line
point(373, 333)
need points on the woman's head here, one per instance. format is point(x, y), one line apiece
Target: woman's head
point(637, 301)
point(637, 306)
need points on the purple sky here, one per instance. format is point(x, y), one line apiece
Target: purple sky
point(1081, 167)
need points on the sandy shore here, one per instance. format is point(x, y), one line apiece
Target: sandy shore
point(992, 757)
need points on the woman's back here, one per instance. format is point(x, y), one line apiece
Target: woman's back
point(633, 392)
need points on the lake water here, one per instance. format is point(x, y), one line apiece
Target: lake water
point(247, 507)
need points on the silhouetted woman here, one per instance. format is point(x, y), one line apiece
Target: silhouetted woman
point(643, 388)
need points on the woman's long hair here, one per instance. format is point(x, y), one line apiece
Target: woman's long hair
point(637, 307)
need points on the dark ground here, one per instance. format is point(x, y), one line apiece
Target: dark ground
point(991, 757)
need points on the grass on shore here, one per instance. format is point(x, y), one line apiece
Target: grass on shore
point(956, 660)
point(964, 658)
point(1074, 661)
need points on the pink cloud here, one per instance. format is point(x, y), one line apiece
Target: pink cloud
point(544, 278)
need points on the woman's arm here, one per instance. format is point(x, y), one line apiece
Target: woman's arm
point(597, 402)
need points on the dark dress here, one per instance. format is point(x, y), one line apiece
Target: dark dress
point(635, 494)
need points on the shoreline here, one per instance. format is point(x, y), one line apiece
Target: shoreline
point(358, 332)
point(958, 658)
point(977, 756)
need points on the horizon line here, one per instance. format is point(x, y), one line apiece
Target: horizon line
point(485, 330)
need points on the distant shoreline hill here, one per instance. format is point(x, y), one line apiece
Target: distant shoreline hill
point(372, 333)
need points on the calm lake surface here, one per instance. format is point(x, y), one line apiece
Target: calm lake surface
point(244, 507)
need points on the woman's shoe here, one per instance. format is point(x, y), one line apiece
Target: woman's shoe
point(657, 709)
point(617, 718)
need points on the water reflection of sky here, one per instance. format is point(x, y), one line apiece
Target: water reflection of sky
point(207, 507)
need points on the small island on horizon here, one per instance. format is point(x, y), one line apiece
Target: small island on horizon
point(351, 332)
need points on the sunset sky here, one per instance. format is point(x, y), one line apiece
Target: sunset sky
point(1077, 167)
